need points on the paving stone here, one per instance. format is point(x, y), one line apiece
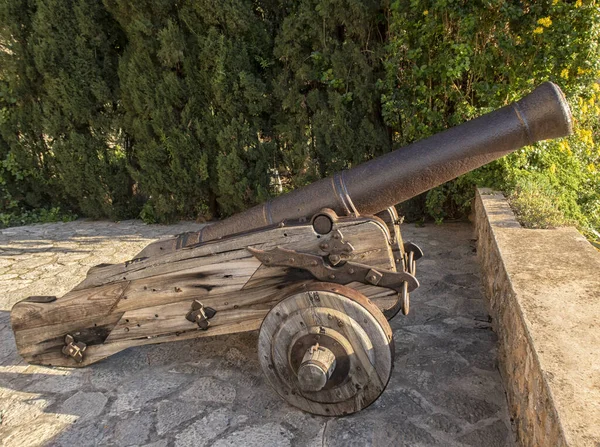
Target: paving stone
point(8, 276)
point(133, 429)
point(258, 436)
point(81, 434)
point(20, 409)
point(84, 405)
point(466, 407)
point(159, 443)
point(402, 402)
point(134, 393)
point(30, 436)
point(202, 432)
point(359, 431)
point(171, 413)
point(493, 435)
point(207, 389)
point(307, 428)
point(59, 383)
point(442, 422)
point(238, 358)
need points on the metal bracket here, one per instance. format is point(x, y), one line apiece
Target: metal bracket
point(409, 246)
point(341, 274)
point(74, 349)
point(336, 248)
point(373, 277)
point(403, 302)
point(200, 315)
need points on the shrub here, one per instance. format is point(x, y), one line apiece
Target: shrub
point(185, 109)
point(534, 200)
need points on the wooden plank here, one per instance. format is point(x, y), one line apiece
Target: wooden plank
point(201, 283)
point(234, 307)
point(366, 237)
point(95, 330)
point(74, 306)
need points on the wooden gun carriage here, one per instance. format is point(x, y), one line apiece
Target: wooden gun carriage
point(319, 271)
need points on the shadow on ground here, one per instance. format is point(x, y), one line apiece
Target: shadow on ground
point(445, 389)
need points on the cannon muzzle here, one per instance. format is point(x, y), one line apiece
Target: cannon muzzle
point(406, 172)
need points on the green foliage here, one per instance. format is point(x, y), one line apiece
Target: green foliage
point(41, 215)
point(62, 144)
point(330, 54)
point(449, 61)
point(170, 110)
point(194, 85)
point(534, 201)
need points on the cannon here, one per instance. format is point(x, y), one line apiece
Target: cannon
point(319, 271)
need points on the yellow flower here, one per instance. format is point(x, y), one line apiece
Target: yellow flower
point(554, 2)
point(596, 87)
point(564, 147)
point(585, 135)
point(425, 12)
point(578, 4)
point(564, 73)
point(591, 167)
point(538, 30)
point(582, 71)
point(545, 21)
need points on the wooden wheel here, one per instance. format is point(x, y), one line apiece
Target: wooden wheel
point(327, 350)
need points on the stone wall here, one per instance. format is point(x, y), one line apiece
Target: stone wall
point(543, 290)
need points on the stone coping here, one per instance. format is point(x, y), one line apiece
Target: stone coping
point(543, 291)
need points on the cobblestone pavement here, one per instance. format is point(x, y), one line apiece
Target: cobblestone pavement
point(445, 389)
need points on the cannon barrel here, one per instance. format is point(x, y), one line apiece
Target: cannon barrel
point(406, 172)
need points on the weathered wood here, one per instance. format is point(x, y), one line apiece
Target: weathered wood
point(341, 320)
point(73, 307)
point(147, 300)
